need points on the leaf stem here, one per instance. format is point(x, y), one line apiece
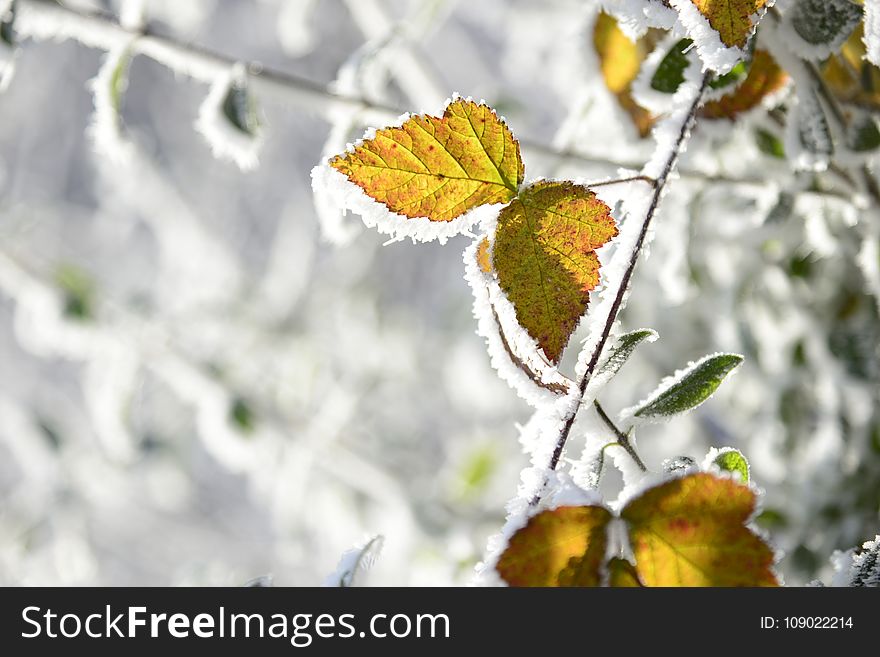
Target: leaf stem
point(619, 181)
point(662, 179)
point(622, 438)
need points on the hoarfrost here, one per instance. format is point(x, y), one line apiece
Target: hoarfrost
point(228, 120)
point(355, 562)
point(108, 88)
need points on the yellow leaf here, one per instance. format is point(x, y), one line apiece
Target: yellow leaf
point(545, 260)
point(732, 19)
point(691, 532)
point(620, 60)
point(563, 547)
point(438, 167)
point(483, 260)
point(622, 574)
point(853, 79)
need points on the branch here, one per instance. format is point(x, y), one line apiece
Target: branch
point(622, 438)
point(659, 186)
point(44, 20)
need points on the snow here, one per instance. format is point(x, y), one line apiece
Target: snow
point(872, 31)
point(227, 141)
point(815, 52)
point(635, 17)
point(107, 130)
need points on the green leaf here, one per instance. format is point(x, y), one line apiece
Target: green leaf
point(689, 388)
point(7, 22)
point(670, 72)
point(438, 167)
point(732, 460)
point(862, 134)
point(545, 260)
point(735, 75)
point(623, 349)
point(562, 547)
point(769, 144)
point(240, 109)
point(691, 532)
point(824, 22)
point(242, 415)
point(78, 288)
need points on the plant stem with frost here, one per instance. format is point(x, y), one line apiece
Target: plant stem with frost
point(659, 186)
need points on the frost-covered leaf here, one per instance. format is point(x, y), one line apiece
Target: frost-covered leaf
point(544, 256)
point(734, 76)
point(229, 119)
point(622, 574)
point(438, 167)
point(670, 72)
point(732, 460)
point(691, 531)
point(355, 562)
point(733, 20)
point(866, 565)
point(764, 77)
point(688, 388)
point(808, 140)
point(562, 547)
point(624, 347)
point(824, 22)
point(620, 59)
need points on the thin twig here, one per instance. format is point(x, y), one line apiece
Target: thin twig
point(662, 179)
point(622, 438)
point(42, 20)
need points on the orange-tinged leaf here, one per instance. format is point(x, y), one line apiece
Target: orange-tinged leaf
point(732, 19)
point(562, 547)
point(620, 60)
point(483, 259)
point(545, 261)
point(764, 78)
point(691, 532)
point(622, 574)
point(438, 167)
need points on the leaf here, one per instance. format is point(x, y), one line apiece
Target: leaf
point(7, 22)
point(240, 108)
point(689, 388)
point(732, 19)
point(821, 22)
point(735, 75)
point(562, 547)
point(670, 72)
point(691, 532)
point(438, 167)
point(622, 574)
point(623, 349)
point(732, 460)
point(769, 144)
point(620, 60)
point(862, 133)
point(483, 259)
point(545, 260)
point(853, 79)
point(764, 77)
